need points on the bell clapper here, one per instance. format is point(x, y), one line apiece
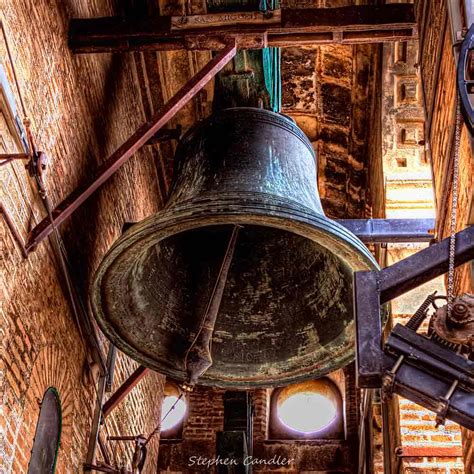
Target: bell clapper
point(198, 357)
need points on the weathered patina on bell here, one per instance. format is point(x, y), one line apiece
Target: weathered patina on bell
point(282, 302)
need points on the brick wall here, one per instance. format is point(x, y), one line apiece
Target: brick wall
point(206, 416)
point(81, 109)
point(438, 72)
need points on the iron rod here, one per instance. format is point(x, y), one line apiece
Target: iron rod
point(123, 390)
point(377, 231)
point(134, 143)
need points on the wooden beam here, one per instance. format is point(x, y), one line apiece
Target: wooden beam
point(250, 30)
point(133, 144)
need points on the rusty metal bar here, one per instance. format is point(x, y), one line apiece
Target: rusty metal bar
point(134, 143)
point(103, 450)
point(96, 420)
point(123, 390)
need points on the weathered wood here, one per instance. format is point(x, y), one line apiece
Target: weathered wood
point(250, 30)
point(354, 17)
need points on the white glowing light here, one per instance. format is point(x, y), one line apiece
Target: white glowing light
point(307, 412)
point(175, 416)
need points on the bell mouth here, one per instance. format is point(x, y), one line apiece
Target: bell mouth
point(286, 313)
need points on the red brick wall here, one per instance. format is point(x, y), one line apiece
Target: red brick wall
point(438, 70)
point(81, 108)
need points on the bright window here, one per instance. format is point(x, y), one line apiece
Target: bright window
point(170, 419)
point(307, 412)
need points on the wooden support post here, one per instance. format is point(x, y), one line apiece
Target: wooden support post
point(123, 390)
point(134, 143)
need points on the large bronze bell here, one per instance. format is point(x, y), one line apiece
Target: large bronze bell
point(241, 266)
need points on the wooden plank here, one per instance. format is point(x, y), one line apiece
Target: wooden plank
point(250, 30)
point(354, 17)
point(133, 144)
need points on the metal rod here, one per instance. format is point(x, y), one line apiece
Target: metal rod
point(378, 231)
point(96, 420)
point(111, 368)
point(122, 438)
point(123, 390)
point(134, 143)
point(9, 157)
point(103, 449)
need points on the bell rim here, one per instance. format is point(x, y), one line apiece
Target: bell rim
point(184, 217)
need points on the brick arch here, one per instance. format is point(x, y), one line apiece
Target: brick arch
point(51, 369)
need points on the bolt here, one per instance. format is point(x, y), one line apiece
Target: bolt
point(460, 312)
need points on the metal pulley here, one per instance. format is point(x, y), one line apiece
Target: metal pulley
point(240, 281)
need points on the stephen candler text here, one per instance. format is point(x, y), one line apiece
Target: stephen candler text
point(247, 461)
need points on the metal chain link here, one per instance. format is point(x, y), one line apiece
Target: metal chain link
point(454, 205)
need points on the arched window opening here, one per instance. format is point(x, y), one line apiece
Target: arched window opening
point(307, 410)
point(47, 435)
point(173, 412)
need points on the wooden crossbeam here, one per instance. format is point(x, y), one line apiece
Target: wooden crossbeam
point(250, 30)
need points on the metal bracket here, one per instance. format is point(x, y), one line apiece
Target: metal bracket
point(410, 364)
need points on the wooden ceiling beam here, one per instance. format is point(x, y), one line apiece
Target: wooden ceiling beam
point(250, 30)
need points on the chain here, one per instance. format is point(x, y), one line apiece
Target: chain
point(454, 205)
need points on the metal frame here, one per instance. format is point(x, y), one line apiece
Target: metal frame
point(375, 288)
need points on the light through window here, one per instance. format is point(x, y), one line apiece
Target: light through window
point(176, 414)
point(307, 412)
